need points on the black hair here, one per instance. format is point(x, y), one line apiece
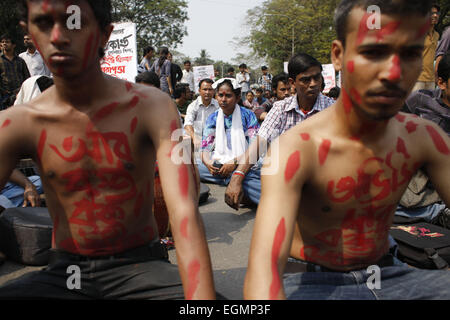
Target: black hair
point(237, 92)
point(148, 49)
point(180, 88)
point(264, 68)
point(334, 92)
point(101, 8)
point(149, 77)
point(259, 90)
point(403, 7)
point(301, 62)
point(438, 7)
point(207, 80)
point(444, 67)
point(283, 77)
point(230, 69)
point(243, 65)
point(7, 37)
point(187, 61)
point(163, 53)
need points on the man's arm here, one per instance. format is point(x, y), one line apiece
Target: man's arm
point(180, 189)
point(30, 194)
point(274, 226)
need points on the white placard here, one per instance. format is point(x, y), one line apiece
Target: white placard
point(285, 65)
point(329, 75)
point(120, 59)
point(201, 73)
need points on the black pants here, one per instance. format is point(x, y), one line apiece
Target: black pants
point(140, 273)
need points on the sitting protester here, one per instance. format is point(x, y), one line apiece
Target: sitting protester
point(226, 136)
point(21, 191)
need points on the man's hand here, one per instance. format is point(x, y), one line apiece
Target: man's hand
point(213, 170)
point(31, 196)
point(234, 192)
point(227, 169)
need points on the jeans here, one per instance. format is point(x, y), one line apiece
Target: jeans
point(12, 195)
point(426, 213)
point(397, 281)
point(251, 184)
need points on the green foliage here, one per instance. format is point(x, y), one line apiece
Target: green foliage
point(9, 23)
point(158, 23)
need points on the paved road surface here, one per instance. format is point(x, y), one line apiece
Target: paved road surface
point(228, 233)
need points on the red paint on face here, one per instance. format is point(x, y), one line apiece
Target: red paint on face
point(348, 104)
point(280, 234)
point(400, 118)
point(133, 125)
point(401, 148)
point(41, 143)
point(87, 50)
point(183, 228)
point(6, 123)
point(193, 280)
point(356, 96)
point(323, 151)
point(183, 180)
point(411, 126)
point(351, 66)
point(438, 141)
point(292, 166)
point(363, 29)
point(396, 70)
point(305, 136)
point(388, 29)
point(45, 5)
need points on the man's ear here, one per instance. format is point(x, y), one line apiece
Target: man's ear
point(442, 84)
point(337, 54)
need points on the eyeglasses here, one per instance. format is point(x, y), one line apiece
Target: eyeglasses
point(307, 80)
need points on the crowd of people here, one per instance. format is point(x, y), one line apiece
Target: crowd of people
point(345, 161)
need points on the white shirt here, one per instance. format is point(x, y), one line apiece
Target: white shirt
point(35, 64)
point(197, 114)
point(188, 77)
point(28, 91)
point(246, 78)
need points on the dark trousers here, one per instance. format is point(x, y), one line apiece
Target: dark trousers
point(140, 273)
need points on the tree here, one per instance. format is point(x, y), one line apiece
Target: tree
point(158, 23)
point(204, 59)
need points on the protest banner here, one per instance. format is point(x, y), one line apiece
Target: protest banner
point(329, 76)
point(201, 73)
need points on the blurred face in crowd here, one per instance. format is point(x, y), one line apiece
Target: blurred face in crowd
point(206, 92)
point(7, 45)
point(187, 66)
point(249, 96)
point(283, 90)
point(308, 83)
point(434, 16)
point(28, 42)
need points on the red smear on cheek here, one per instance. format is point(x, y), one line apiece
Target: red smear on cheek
point(396, 70)
point(323, 151)
point(355, 94)
point(387, 30)
point(292, 166)
point(133, 125)
point(183, 179)
point(6, 123)
point(87, 50)
point(438, 141)
point(411, 126)
point(41, 144)
point(193, 271)
point(351, 66)
point(183, 228)
point(363, 29)
point(348, 104)
point(401, 148)
point(280, 234)
point(305, 136)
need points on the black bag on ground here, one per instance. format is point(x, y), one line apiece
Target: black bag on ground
point(26, 235)
point(422, 245)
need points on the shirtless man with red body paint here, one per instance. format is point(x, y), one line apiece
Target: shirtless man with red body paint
point(95, 140)
point(324, 218)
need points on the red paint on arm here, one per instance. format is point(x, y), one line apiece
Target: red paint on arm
point(323, 151)
point(183, 228)
point(193, 280)
point(438, 141)
point(183, 180)
point(292, 166)
point(387, 30)
point(41, 144)
point(396, 70)
point(133, 125)
point(280, 235)
point(6, 123)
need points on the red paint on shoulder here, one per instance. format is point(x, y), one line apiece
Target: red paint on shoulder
point(183, 180)
point(438, 141)
point(193, 280)
point(6, 123)
point(401, 148)
point(305, 136)
point(280, 235)
point(104, 112)
point(183, 227)
point(400, 118)
point(128, 86)
point(292, 166)
point(387, 30)
point(323, 151)
point(133, 125)
point(133, 103)
point(411, 126)
point(41, 144)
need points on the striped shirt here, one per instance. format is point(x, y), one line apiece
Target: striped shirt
point(286, 114)
point(13, 74)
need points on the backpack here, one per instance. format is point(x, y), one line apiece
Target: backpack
point(421, 244)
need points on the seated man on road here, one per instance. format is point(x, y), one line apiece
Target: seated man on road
point(305, 74)
point(421, 199)
point(21, 191)
point(281, 90)
point(95, 139)
point(227, 133)
point(322, 225)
